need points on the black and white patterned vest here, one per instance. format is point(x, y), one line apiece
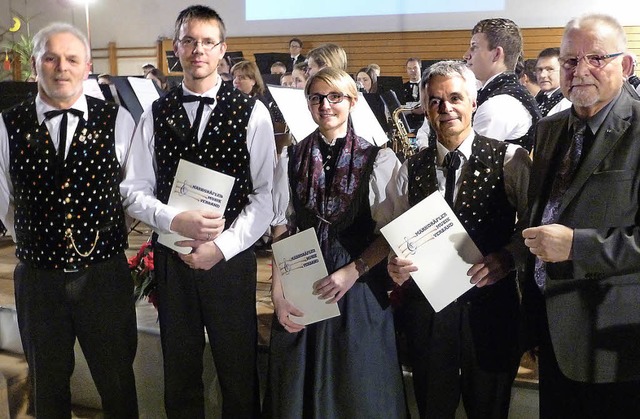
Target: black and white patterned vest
point(507, 84)
point(69, 217)
point(546, 102)
point(223, 146)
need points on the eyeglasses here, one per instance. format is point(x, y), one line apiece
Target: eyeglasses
point(207, 44)
point(593, 60)
point(294, 46)
point(541, 70)
point(333, 98)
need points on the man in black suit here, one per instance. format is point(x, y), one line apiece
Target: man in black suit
point(584, 283)
point(469, 348)
point(295, 49)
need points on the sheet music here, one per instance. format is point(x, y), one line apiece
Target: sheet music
point(293, 105)
point(91, 88)
point(196, 188)
point(301, 264)
point(145, 91)
point(431, 236)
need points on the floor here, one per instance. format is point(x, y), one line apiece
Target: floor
point(13, 367)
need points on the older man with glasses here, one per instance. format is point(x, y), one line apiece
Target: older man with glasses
point(583, 283)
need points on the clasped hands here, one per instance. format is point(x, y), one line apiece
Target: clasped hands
point(202, 227)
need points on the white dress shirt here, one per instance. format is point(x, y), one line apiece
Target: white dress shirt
point(502, 117)
point(385, 164)
point(516, 166)
point(124, 128)
point(139, 186)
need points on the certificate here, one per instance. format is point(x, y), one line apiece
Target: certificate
point(432, 237)
point(300, 262)
point(196, 188)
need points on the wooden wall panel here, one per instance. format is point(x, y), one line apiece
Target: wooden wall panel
point(391, 49)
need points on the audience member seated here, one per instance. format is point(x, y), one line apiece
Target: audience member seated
point(278, 68)
point(147, 68)
point(550, 98)
point(104, 78)
point(376, 68)
point(158, 78)
point(326, 55)
point(299, 74)
point(367, 80)
point(295, 49)
point(526, 72)
point(411, 93)
point(224, 68)
point(286, 80)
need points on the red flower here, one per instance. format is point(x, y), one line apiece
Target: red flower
point(143, 275)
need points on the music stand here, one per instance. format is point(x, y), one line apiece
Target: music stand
point(378, 108)
point(271, 79)
point(266, 59)
point(386, 83)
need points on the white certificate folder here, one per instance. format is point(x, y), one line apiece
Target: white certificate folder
point(196, 188)
point(431, 236)
point(300, 262)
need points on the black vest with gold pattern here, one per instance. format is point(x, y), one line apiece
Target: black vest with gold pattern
point(69, 217)
point(223, 146)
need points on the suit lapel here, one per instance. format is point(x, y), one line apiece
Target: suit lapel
point(608, 135)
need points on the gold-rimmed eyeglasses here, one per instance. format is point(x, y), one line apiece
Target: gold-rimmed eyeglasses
point(190, 43)
point(592, 60)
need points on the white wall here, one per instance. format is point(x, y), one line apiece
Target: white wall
point(142, 22)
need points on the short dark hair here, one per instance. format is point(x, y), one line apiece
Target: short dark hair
point(549, 52)
point(529, 68)
point(501, 32)
point(201, 13)
point(413, 59)
point(295, 40)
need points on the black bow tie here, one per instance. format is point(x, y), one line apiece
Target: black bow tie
point(201, 99)
point(54, 113)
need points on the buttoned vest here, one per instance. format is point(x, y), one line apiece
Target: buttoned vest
point(223, 146)
point(68, 217)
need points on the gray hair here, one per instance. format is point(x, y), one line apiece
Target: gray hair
point(594, 21)
point(41, 38)
point(452, 69)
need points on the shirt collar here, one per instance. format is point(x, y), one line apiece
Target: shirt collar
point(596, 121)
point(42, 107)
point(213, 92)
point(464, 148)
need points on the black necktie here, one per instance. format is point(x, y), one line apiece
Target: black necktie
point(560, 185)
point(452, 163)
point(62, 132)
point(196, 122)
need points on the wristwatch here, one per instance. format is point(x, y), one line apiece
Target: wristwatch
point(361, 266)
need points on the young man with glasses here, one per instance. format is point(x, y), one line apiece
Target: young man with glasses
point(550, 98)
point(583, 278)
point(295, 49)
point(207, 122)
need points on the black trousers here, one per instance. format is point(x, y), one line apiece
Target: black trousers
point(561, 397)
point(222, 300)
point(445, 365)
point(95, 306)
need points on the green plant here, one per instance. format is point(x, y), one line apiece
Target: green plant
point(23, 48)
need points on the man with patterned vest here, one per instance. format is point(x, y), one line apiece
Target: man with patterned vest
point(506, 110)
point(60, 169)
point(469, 348)
point(207, 122)
point(550, 98)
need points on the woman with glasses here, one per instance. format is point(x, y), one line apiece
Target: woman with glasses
point(335, 181)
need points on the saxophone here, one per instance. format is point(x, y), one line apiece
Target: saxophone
point(400, 141)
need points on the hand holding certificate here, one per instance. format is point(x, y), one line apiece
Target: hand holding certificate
point(432, 237)
point(299, 261)
point(196, 188)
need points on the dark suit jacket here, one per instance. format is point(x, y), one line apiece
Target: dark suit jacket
point(593, 301)
point(290, 63)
